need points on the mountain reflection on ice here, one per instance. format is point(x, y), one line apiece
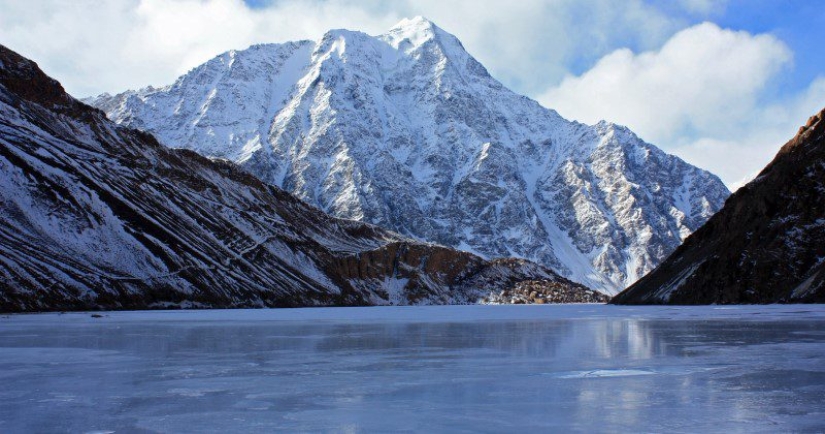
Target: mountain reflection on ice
point(455, 368)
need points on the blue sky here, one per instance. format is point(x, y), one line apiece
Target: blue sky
point(721, 83)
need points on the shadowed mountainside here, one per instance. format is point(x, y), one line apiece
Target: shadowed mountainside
point(766, 245)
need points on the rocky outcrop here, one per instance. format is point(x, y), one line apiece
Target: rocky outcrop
point(408, 131)
point(94, 215)
point(543, 292)
point(767, 245)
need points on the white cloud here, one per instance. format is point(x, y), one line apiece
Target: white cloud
point(703, 78)
point(701, 96)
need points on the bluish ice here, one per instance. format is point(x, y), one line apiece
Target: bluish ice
point(573, 368)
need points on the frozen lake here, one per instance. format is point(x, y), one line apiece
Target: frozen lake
point(422, 369)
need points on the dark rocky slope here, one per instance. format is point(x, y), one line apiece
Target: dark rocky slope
point(766, 245)
point(98, 216)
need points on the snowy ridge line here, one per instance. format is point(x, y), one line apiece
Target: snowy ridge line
point(99, 216)
point(406, 130)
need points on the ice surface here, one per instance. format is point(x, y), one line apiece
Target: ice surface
point(424, 369)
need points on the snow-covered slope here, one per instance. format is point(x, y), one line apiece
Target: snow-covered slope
point(406, 130)
point(767, 245)
point(97, 215)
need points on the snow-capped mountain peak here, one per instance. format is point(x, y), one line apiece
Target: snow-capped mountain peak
point(412, 33)
point(409, 131)
point(99, 216)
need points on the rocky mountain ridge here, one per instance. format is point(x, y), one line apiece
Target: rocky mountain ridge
point(406, 130)
point(94, 215)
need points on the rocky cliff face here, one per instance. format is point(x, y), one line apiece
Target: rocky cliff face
point(94, 215)
point(766, 245)
point(406, 130)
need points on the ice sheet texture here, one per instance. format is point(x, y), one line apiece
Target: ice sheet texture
point(417, 369)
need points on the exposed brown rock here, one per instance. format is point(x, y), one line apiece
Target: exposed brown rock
point(544, 292)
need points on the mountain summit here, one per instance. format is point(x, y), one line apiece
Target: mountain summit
point(99, 216)
point(408, 131)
